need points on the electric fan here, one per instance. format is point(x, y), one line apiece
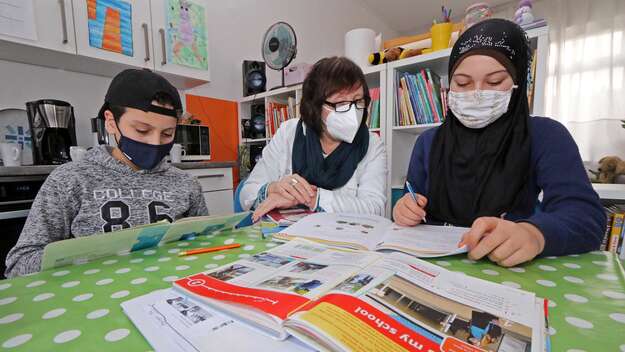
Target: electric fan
point(279, 47)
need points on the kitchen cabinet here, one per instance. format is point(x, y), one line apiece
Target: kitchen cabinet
point(130, 34)
point(219, 202)
point(107, 34)
point(54, 27)
point(217, 189)
point(196, 46)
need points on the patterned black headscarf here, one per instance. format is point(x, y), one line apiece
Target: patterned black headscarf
point(484, 172)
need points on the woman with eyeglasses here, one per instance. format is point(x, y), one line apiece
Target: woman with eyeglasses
point(327, 160)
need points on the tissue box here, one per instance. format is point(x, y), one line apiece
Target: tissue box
point(295, 74)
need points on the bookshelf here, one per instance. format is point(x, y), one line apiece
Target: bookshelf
point(400, 139)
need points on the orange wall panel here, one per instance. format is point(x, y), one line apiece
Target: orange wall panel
point(221, 116)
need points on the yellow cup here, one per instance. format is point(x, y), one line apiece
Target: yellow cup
point(441, 35)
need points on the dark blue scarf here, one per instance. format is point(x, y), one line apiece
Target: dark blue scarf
point(334, 170)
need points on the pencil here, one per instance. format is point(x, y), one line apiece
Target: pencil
point(209, 249)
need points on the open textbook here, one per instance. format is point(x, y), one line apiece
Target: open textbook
point(344, 300)
point(88, 248)
point(287, 217)
point(171, 321)
point(375, 233)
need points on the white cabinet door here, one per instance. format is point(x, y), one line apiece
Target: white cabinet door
point(213, 179)
point(219, 202)
point(54, 26)
point(180, 37)
point(114, 30)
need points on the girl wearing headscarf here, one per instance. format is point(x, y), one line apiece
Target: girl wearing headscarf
point(486, 165)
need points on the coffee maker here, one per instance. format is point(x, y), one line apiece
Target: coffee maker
point(53, 130)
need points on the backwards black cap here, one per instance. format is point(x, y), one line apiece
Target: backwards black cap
point(135, 88)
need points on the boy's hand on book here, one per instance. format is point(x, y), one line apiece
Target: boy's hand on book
point(273, 201)
point(505, 242)
point(294, 187)
point(407, 212)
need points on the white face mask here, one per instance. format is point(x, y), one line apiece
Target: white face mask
point(479, 108)
point(344, 125)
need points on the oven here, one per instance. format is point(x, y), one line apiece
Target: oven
point(17, 194)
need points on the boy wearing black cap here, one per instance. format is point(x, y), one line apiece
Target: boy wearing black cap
point(114, 188)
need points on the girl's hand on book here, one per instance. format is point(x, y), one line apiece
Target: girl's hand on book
point(273, 201)
point(294, 187)
point(407, 212)
point(505, 242)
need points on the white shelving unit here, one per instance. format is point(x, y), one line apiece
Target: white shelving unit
point(246, 104)
point(400, 139)
point(610, 191)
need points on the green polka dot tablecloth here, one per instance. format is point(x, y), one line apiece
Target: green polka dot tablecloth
point(77, 307)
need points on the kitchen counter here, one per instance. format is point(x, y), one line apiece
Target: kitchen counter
point(47, 169)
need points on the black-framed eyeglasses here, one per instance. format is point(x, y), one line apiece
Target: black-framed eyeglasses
point(344, 106)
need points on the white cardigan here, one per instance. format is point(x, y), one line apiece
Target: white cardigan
point(364, 193)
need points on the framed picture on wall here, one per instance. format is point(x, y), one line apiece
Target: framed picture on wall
point(186, 34)
point(110, 25)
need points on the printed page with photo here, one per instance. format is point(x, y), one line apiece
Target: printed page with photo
point(375, 233)
point(267, 287)
point(353, 231)
point(423, 307)
point(373, 303)
point(170, 321)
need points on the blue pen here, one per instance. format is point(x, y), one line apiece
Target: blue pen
point(414, 196)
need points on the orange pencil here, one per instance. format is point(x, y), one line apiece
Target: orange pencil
point(209, 249)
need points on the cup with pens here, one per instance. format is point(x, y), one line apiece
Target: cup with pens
point(441, 30)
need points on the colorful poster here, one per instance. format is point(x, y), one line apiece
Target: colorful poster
point(110, 25)
point(186, 34)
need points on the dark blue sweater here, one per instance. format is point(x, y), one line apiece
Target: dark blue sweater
point(570, 215)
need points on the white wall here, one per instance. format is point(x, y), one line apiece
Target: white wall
point(22, 83)
point(238, 26)
point(235, 30)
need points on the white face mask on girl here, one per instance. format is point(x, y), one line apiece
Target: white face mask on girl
point(479, 108)
point(344, 125)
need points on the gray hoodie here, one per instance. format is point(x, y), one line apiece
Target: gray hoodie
point(101, 194)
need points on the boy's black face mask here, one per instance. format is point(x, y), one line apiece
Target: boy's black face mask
point(145, 156)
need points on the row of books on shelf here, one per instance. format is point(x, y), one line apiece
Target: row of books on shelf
point(277, 113)
point(374, 110)
point(614, 238)
point(421, 98)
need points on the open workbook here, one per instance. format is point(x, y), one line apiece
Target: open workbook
point(375, 233)
point(88, 248)
point(287, 217)
point(345, 300)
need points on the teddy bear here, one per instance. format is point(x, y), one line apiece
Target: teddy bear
point(609, 168)
point(392, 54)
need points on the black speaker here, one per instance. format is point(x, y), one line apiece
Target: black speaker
point(256, 152)
point(254, 78)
